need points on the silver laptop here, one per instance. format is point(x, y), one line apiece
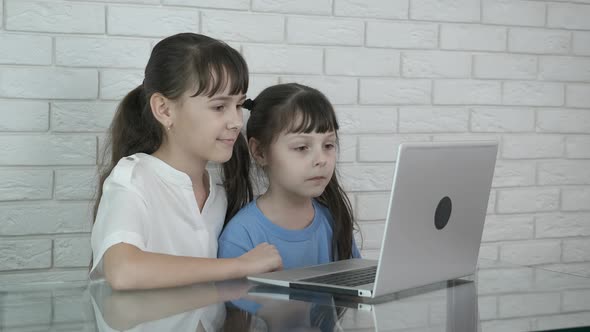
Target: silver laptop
point(433, 228)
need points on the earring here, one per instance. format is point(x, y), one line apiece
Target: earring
point(169, 127)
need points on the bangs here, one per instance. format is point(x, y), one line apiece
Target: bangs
point(226, 68)
point(309, 113)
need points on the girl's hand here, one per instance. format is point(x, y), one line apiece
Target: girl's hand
point(263, 258)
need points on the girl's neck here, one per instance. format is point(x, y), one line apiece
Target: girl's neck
point(286, 211)
point(195, 169)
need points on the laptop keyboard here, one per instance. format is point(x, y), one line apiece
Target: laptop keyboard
point(347, 278)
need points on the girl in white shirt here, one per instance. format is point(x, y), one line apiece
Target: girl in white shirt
point(159, 212)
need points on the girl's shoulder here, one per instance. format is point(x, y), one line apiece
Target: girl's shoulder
point(140, 173)
point(141, 170)
point(130, 170)
point(246, 215)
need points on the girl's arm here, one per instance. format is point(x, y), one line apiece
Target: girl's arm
point(127, 267)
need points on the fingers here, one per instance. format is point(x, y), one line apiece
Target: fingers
point(265, 245)
point(272, 254)
point(279, 267)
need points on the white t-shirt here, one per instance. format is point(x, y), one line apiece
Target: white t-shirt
point(151, 205)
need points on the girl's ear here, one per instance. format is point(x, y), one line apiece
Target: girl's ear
point(160, 106)
point(257, 154)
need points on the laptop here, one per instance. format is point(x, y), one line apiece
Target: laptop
point(433, 229)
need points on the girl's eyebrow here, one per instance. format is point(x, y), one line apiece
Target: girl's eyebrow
point(304, 135)
point(226, 98)
point(327, 134)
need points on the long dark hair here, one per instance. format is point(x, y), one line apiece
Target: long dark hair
point(274, 111)
point(179, 63)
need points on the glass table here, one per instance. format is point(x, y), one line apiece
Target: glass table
point(498, 297)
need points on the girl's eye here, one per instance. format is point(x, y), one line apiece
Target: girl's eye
point(219, 108)
point(330, 146)
point(301, 148)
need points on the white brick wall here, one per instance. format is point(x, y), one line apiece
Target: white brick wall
point(317, 7)
point(362, 62)
point(51, 16)
point(505, 66)
point(578, 95)
point(48, 83)
point(446, 10)
point(114, 84)
point(581, 43)
point(513, 70)
point(101, 52)
point(283, 59)
point(433, 119)
point(20, 115)
point(472, 37)
point(124, 20)
point(371, 8)
point(433, 64)
point(16, 49)
point(568, 16)
point(539, 41)
point(238, 26)
point(329, 31)
point(483, 92)
point(394, 91)
point(485, 119)
point(517, 12)
point(401, 34)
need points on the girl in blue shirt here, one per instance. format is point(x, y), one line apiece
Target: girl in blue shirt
point(304, 212)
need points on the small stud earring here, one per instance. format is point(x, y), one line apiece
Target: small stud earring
point(169, 127)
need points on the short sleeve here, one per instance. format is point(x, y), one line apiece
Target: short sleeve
point(234, 242)
point(120, 218)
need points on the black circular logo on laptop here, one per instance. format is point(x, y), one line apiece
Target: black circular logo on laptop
point(443, 212)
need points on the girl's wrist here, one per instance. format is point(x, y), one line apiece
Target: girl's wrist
point(239, 268)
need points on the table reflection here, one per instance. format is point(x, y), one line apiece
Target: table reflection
point(440, 307)
point(500, 297)
point(193, 308)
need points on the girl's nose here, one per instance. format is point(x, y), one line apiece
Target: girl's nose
point(320, 159)
point(236, 121)
point(235, 125)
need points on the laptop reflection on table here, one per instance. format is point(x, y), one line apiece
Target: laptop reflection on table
point(445, 306)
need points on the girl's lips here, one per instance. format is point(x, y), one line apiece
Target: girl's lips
point(228, 141)
point(317, 178)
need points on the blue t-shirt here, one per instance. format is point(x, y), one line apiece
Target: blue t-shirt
point(309, 246)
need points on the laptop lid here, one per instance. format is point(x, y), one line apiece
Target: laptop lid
point(436, 213)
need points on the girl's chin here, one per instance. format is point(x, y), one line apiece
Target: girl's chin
point(314, 194)
point(222, 158)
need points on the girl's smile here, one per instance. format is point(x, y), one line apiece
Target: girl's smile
point(317, 178)
point(227, 141)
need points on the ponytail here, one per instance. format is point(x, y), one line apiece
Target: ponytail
point(134, 129)
point(236, 174)
point(336, 200)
